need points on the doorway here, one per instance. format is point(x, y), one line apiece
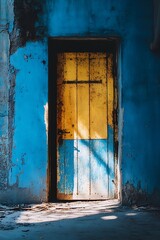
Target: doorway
point(83, 119)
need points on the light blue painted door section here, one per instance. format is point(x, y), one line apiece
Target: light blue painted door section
point(85, 136)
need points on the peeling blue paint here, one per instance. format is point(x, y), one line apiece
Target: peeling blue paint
point(87, 167)
point(29, 142)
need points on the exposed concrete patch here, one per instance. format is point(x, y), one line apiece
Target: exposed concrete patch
point(27, 23)
point(133, 196)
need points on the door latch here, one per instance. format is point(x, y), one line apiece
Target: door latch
point(62, 131)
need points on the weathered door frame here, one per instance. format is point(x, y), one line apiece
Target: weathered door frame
point(57, 45)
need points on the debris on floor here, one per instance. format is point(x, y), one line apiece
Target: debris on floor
point(85, 220)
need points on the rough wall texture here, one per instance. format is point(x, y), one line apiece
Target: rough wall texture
point(21, 25)
point(5, 28)
point(24, 89)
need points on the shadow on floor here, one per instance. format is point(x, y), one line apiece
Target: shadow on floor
point(63, 222)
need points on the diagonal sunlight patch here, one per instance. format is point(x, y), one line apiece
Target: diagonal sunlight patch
point(112, 217)
point(131, 214)
point(62, 211)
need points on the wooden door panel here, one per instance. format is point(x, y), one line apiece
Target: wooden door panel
point(83, 169)
point(99, 168)
point(83, 111)
point(65, 183)
point(98, 96)
point(85, 140)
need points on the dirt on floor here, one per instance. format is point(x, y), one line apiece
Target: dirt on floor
point(94, 220)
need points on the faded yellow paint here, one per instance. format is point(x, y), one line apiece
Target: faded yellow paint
point(70, 125)
point(110, 90)
point(98, 96)
point(66, 104)
point(85, 95)
point(83, 66)
point(70, 66)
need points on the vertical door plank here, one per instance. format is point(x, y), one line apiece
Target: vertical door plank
point(83, 95)
point(69, 96)
point(66, 115)
point(99, 168)
point(70, 121)
point(61, 169)
point(83, 123)
point(98, 92)
point(83, 168)
point(69, 167)
point(98, 125)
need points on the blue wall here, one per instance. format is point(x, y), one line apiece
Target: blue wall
point(139, 98)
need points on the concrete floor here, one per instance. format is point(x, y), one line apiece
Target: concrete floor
point(102, 220)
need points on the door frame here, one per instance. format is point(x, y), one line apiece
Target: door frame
point(60, 45)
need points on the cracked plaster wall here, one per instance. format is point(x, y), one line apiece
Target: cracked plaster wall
point(6, 21)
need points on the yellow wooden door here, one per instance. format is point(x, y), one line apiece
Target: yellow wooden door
point(85, 133)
